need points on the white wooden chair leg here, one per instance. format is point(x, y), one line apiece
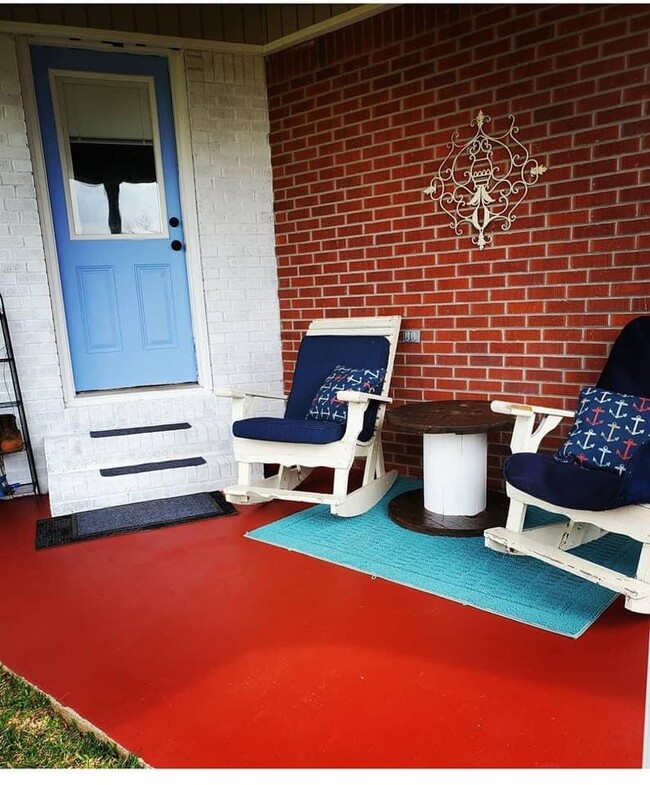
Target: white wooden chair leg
point(516, 516)
point(283, 477)
point(643, 567)
point(514, 523)
point(244, 473)
point(370, 469)
point(641, 604)
point(380, 469)
point(341, 482)
point(290, 476)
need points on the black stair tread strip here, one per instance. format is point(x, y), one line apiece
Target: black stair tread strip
point(137, 468)
point(174, 426)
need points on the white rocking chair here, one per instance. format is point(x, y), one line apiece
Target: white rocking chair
point(316, 429)
point(593, 480)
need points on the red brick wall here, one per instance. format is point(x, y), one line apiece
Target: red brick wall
point(360, 121)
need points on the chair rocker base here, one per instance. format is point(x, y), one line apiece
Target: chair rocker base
point(621, 520)
point(364, 498)
point(347, 506)
point(637, 592)
point(551, 542)
point(287, 478)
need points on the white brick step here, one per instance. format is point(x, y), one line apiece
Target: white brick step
point(74, 463)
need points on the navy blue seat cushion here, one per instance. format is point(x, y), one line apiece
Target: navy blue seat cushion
point(578, 487)
point(285, 429)
point(608, 429)
point(326, 405)
point(563, 484)
point(319, 355)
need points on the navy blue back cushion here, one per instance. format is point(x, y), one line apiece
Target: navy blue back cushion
point(320, 354)
point(627, 369)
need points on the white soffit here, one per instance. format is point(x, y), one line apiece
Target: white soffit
point(177, 42)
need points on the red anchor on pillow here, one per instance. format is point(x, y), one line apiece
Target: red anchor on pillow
point(628, 446)
point(595, 420)
point(644, 406)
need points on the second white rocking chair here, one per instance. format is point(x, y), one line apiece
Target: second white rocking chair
point(599, 480)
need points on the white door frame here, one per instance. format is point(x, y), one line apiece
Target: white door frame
point(188, 206)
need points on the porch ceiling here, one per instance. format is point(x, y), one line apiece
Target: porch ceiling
point(260, 27)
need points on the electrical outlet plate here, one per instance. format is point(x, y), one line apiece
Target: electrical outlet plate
point(411, 336)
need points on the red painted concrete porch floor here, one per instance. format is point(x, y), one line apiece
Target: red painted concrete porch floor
point(195, 647)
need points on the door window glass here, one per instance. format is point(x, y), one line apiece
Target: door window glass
point(111, 155)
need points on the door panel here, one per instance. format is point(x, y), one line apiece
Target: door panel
point(156, 305)
point(107, 129)
point(99, 309)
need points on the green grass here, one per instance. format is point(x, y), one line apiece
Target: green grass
point(34, 736)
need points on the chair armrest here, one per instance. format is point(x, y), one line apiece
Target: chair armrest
point(525, 437)
point(357, 404)
point(243, 401)
point(354, 396)
point(227, 392)
point(526, 410)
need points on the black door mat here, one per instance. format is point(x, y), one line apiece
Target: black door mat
point(124, 518)
point(173, 426)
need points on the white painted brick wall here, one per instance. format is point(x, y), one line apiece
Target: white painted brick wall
point(229, 125)
point(23, 277)
point(232, 168)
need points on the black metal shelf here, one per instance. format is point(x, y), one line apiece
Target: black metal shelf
point(15, 403)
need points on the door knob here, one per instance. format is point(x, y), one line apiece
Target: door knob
point(176, 245)
point(173, 221)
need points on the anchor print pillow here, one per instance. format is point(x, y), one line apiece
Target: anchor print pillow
point(608, 429)
point(326, 406)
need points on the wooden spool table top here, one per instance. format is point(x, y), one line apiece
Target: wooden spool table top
point(447, 417)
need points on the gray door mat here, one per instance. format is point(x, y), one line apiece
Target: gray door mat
point(125, 518)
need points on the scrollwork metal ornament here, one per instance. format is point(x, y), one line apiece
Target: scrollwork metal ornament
point(484, 180)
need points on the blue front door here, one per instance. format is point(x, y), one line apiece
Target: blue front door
point(107, 129)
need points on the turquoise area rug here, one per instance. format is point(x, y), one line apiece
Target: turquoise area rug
point(460, 569)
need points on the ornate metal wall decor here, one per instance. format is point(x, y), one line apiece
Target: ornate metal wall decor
point(484, 180)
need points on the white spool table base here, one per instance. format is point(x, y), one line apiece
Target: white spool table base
point(455, 473)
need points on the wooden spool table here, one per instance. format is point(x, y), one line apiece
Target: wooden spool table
point(454, 501)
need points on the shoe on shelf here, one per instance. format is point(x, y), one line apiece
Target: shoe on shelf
point(11, 439)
